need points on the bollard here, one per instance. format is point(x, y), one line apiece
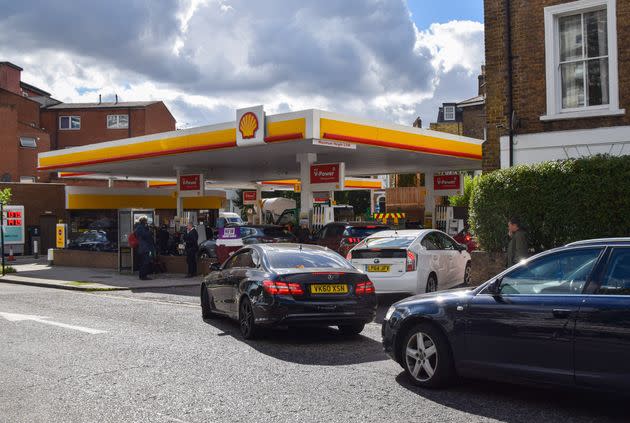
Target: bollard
point(50, 256)
point(11, 256)
point(36, 249)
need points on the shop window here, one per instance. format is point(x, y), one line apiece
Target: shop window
point(117, 121)
point(28, 142)
point(93, 230)
point(581, 59)
point(69, 122)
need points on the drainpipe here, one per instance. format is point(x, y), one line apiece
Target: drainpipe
point(510, 103)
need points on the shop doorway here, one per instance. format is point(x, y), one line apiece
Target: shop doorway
point(47, 224)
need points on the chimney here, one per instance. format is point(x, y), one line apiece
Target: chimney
point(482, 81)
point(10, 76)
point(417, 123)
point(116, 98)
point(99, 99)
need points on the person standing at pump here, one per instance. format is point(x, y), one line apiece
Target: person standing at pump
point(191, 239)
point(518, 247)
point(146, 248)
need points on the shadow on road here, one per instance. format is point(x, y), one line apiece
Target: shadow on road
point(514, 403)
point(307, 345)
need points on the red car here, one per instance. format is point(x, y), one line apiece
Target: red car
point(465, 238)
point(342, 236)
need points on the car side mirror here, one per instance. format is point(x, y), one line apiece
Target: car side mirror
point(461, 247)
point(214, 267)
point(494, 288)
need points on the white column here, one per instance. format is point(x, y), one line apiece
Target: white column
point(306, 195)
point(180, 200)
point(429, 199)
point(372, 199)
point(259, 200)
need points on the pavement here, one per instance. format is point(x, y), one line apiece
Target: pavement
point(37, 272)
point(147, 356)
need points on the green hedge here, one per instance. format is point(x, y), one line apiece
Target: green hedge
point(558, 202)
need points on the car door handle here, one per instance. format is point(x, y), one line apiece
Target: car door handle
point(561, 313)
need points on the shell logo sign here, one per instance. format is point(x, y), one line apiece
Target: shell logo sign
point(248, 125)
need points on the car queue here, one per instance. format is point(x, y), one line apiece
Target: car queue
point(561, 317)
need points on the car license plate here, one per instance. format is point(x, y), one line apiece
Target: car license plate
point(379, 268)
point(329, 288)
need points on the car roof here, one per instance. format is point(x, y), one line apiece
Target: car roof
point(365, 224)
point(600, 241)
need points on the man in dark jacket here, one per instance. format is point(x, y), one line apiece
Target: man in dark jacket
point(518, 247)
point(191, 239)
point(146, 248)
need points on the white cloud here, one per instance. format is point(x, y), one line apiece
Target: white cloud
point(205, 58)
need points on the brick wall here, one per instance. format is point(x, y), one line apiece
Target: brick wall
point(529, 84)
point(473, 121)
point(451, 127)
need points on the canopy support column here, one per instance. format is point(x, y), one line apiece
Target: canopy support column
point(429, 199)
point(180, 200)
point(306, 194)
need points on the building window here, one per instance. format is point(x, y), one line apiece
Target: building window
point(27, 179)
point(28, 142)
point(117, 121)
point(581, 59)
point(449, 112)
point(69, 122)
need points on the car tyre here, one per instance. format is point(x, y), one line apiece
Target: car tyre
point(247, 320)
point(206, 308)
point(426, 357)
point(204, 255)
point(467, 271)
point(352, 330)
point(432, 283)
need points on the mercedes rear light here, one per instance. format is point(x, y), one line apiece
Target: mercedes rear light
point(412, 261)
point(364, 288)
point(282, 288)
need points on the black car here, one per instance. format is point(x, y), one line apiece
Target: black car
point(92, 240)
point(208, 249)
point(560, 318)
point(289, 285)
point(256, 234)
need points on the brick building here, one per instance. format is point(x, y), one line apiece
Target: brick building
point(558, 80)
point(468, 117)
point(31, 121)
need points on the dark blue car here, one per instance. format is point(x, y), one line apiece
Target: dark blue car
point(560, 318)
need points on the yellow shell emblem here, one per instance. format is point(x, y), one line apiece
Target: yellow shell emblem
point(248, 125)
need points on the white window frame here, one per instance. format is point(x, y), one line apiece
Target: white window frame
point(27, 179)
point(29, 138)
point(552, 61)
point(117, 125)
point(70, 128)
point(453, 110)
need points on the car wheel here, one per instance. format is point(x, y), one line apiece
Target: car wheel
point(432, 283)
point(352, 329)
point(204, 255)
point(467, 274)
point(247, 320)
point(426, 357)
point(206, 309)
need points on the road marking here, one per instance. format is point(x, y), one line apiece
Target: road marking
point(14, 317)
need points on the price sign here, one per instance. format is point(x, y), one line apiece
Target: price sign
point(13, 224)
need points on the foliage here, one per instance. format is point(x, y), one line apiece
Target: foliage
point(407, 180)
point(464, 199)
point(9, 269)
point(5, 195)
point(557, 202)
point(359, 200)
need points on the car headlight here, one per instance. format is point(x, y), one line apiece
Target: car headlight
point(389, 313)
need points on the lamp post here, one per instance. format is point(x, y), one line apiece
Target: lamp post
point(2, 233)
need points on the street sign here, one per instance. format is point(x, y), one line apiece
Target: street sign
point(13, 224)
point(335, 144)
point(249, 198)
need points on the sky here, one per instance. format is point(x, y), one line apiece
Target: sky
point(391, 60)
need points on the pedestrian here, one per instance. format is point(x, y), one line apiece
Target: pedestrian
point(518, 247)
point(191, 240)
point(146, 248)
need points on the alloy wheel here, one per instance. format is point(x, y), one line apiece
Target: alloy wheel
point(432, 284)
point(467, 273)
point(246, 318)
point(421, 356)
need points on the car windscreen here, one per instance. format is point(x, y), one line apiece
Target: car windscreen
point(234, 220)
point(306, 259)
point(389, 242)
point(363, 231)
point(275, 232)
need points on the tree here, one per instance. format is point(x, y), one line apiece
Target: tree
point(5, 196)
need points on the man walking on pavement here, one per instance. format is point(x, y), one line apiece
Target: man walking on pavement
point(146, 248)
point(518, 247)
point(191, 239)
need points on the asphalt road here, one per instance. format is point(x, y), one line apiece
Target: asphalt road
point(157, 360)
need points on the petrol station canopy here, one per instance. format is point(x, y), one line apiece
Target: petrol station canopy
point(221, 153)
